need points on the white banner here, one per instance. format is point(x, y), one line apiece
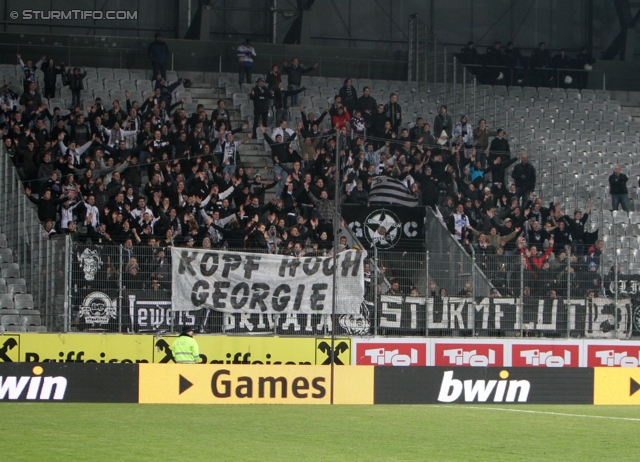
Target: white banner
point(235, 282)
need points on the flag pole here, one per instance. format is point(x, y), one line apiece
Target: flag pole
point(336, 237)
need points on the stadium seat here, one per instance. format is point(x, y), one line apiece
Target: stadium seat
point(12, 323)
point(135, 76)
point(28, 312)
point(10, 273)
point(620, 216)
point(6, 256)
point(95, 83)
point(15, 280)
point(119, 95)
point(56, 102)
point(319, 81)
point(232, 88)
point(36, 329)
point(24, 297)
point(130, 87)
point(135, 96)
point(17, 288)
point(190, 108)
point(143, 85)
point(23, 303)
point(30, 320)
point(183, 94)
point(223, 80)
point(240, 98)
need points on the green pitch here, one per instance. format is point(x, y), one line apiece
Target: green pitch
point(118, 432)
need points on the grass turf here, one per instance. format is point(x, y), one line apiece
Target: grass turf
point(316, 433)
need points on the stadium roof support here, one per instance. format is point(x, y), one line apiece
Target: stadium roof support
point(624, 42)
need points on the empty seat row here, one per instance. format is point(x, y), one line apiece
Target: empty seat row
point(6, 309)
point(123, 84)
point(13, 286)
point(17, 301)
point(18, 323)
point(101, 72)
point(6, 256)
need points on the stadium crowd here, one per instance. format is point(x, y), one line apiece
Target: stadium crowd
point(183, 182)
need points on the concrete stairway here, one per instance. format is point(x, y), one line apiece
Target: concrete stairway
point(253, 153)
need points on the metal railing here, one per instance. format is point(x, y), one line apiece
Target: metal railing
point(536, 77)
point(197, 61)
point(452, 289)
point(430, 61)
point(41, 258)
point(527, 302)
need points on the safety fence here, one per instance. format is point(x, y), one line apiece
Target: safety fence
point(564, 297)
point(32, 260)
point(133, 54)
point(124, 288)
point(536, 77)
point(101, 286)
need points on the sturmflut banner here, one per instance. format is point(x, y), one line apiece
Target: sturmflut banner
point(589, 318)
point(250, 283)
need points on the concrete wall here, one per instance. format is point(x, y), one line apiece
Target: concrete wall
point(151, 16)
point(360, 24)
point(385, 24)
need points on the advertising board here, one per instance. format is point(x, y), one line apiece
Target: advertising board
point(616, 386)
point(253, 384)
point(391, 353)
point(253, 350)
point(487, 385)
point(86, 348)
point(69, 382)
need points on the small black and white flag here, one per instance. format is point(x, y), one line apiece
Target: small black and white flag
point(389, 191)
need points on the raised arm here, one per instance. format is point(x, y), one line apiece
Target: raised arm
point(84, 147)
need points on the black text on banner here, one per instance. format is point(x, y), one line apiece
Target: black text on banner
point(262, 283)
point(590, 318)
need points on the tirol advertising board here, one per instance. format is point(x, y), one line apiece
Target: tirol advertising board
point(533, 353)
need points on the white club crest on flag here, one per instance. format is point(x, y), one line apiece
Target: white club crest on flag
point(383, 229)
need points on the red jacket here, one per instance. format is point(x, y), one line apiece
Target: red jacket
point(537, 261)
point(340, 120)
